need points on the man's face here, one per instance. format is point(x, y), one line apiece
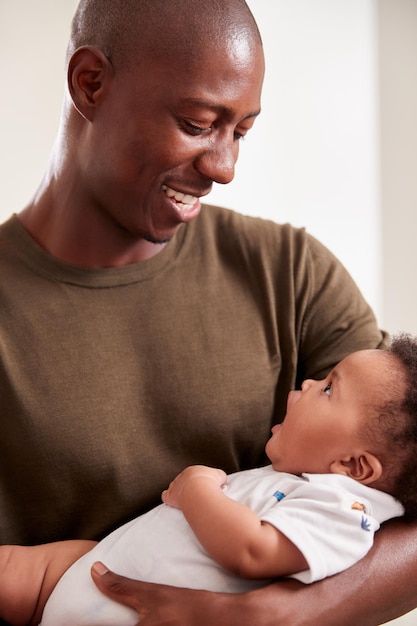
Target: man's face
point(326, 420)
point(164, 132)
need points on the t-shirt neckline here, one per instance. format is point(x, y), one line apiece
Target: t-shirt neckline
point(49, 266)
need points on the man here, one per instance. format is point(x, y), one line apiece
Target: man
point(137, 339)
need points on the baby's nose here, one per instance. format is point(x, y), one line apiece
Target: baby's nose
point(306, 384)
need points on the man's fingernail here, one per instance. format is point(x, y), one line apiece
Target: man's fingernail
point(100, 569)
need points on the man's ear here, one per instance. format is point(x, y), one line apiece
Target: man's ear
point(364, 467)
point(88, 71)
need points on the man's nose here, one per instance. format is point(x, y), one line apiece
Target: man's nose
point(217, 161)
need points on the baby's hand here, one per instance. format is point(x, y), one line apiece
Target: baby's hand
point(196, 475)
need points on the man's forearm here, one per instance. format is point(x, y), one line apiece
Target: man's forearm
point(380, 587)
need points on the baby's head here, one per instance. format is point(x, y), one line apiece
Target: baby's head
point(396, 421)
point(361, 421)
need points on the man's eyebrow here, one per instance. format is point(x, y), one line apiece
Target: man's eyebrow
point(218, 108)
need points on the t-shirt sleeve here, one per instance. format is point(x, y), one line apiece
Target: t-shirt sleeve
point(331, 529)
point(337, 320)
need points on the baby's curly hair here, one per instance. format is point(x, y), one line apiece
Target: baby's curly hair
point(400, 420)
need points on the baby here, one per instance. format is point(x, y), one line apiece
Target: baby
point(341, 463)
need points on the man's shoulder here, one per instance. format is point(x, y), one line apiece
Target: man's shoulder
point(225, 222)
point(213, 213)
point(228, 230)
point(9, 236)
point(7, 226)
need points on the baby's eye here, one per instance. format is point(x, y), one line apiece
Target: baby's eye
point(328, 389)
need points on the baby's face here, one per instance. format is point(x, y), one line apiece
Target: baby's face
point(326, 420)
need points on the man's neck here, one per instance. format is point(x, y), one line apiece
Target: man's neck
point(82, 240)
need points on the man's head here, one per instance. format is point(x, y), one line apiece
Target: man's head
point(160, 92)
point(360, 421)
point(128, 30)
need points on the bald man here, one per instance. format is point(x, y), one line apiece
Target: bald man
point(137, 339)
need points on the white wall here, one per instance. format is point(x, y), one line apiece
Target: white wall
point(33, 38)
point(398, 81)
point(313, 157)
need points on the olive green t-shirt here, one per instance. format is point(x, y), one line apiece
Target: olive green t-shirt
point(113, 380)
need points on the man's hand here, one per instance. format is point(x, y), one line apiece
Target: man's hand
point(161, 605)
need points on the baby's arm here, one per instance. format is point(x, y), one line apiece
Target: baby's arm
point(29, 574)
point(231, 532)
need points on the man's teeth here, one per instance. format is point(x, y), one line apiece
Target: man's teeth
point(185, 199)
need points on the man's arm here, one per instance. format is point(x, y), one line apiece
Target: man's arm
point(380, 587)
point(230, 532)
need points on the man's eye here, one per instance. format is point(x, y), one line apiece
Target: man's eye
point(238, 136)
point(193, 129)
point(328, 389)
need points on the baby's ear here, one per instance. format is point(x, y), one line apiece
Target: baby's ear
point(364, 467)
